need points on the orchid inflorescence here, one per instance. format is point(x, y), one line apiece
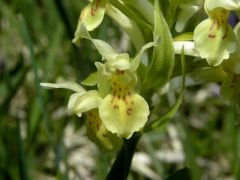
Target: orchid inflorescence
point(118, 104)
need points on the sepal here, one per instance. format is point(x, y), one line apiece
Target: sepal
point(83, 102)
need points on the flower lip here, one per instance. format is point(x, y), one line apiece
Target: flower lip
point(124, 114)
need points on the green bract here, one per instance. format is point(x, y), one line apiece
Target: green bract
point(161, 65)
point(213, 37)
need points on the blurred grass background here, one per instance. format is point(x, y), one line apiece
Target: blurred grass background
point(39, 139)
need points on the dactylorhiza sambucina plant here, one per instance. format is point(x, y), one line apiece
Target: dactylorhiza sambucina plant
point(115, 108)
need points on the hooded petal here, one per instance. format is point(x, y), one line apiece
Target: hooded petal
point(124, 115)
point(214, 41)
point(118, 61)
point(83, 102)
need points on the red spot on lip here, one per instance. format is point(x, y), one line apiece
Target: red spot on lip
point(114, 94)
point(212, 36)
point(225, 35)
point(95, 7)
point(98, 125)
point(92, 11)
point(105, 135)
point(120, 72)
point(116, 107)
point(129, 111)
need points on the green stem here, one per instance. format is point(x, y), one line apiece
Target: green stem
point(64, 17)
point(22, 160)
point(121, 166)
point(15, 85)
point(26, 37)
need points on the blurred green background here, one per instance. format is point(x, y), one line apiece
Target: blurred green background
point(39, 139)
